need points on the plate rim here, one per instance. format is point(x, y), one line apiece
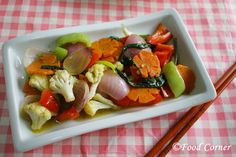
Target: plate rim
point(38, 141)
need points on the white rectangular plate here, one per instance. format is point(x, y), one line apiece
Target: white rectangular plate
point(25, 139)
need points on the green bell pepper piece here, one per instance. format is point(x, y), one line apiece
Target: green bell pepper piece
point(73, 38)
point(60, 52)
point(106, 63)
point(174, 79)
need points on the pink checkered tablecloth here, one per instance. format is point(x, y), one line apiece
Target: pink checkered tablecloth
point(212, 26)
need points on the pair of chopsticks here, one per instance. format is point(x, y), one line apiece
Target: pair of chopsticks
point(177, 131)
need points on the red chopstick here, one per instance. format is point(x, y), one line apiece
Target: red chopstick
point(184, 124)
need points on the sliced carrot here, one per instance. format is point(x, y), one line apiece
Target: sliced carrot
point(127, 102)
point(44, 59)
point(28, 90)
point(48, 58)
point(188, 77)
point(148, 64)
point(107, 47)
point(143, 95)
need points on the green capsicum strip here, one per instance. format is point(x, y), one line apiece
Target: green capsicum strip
point(60, 52)
point(114, 37)
point(174, 79)
point(106, 63)
point(155, 82)
point(73, 38)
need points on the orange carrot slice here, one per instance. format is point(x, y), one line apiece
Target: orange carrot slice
point(45, 59)
point(148, 64)
point(108, 49)
point(143, 95)
point(188, 77)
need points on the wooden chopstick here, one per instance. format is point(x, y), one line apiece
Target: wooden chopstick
point(182, 126)
point(203, 108)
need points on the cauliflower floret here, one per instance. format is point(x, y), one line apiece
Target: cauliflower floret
point(98, 102)
point(95, 73)
point(40, 82)
point(93, 106)
point(38, 114)
point(119, 66)
point(62, 82)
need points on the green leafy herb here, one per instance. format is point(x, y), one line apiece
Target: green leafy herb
point(115, 38)
point(50, 67)
point(155, 82)
point(136, 45)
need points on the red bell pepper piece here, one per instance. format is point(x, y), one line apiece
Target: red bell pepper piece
point(161, 35)
point(164, 47)
point(123, 40)
point(163, 56)
point(68, 114)
point(49, 101)
point(95, 57)
point(166, 91)
point(159, 39)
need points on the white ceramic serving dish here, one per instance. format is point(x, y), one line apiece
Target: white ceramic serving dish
point(13, 50)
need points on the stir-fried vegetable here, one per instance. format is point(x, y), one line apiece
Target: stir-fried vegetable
point(143, 95)
point(68, 114)
point(188, 77)
point(137, 45)
point(62, 82)
point(161, 35)
point(75, 63)
point(81, 92)
point(154, 82)
point(113, 85)
point(110, 73)
point(40, 82)
point(107, 49)
point(29, 90)
point(174, 79)
point(73, 38)
point(147, 64)
point(49, 101)
point(60, 52)
point(44, 59)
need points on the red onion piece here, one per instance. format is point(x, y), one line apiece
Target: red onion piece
point(133, 39)
point(113, 85)
point(71, 48)
point(76, 62)
point(81, 92)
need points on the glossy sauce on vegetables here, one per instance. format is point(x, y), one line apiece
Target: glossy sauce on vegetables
point(54, 123)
